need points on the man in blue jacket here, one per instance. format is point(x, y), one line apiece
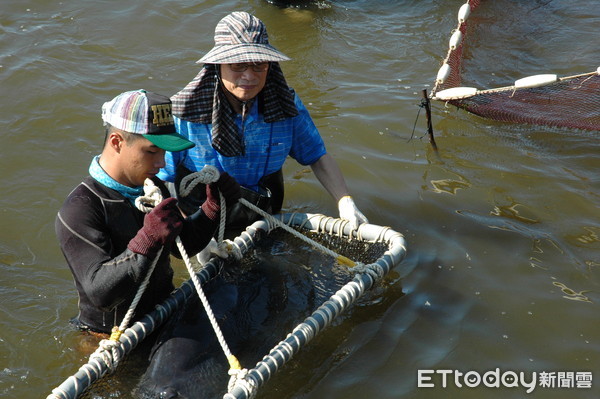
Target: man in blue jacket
point(246, 120)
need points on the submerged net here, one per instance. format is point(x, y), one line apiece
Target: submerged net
point(546, 99)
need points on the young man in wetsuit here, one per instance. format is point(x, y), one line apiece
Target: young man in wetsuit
point(108, 243)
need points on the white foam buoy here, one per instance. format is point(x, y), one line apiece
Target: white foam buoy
point(536, 80)
point(443, 73)
point(455, 39)
point(455, 93)
point(598, 71)
point(464, 12)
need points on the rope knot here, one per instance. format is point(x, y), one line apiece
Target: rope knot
point(108, 351)
point(373, 270)
point(240, 378)
point(151, 198)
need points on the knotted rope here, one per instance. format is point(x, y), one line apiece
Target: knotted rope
point(210, 174)
point(222, 248)
point(239, 379)
point(153, 197)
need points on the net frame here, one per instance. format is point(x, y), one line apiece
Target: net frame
point(75, 385)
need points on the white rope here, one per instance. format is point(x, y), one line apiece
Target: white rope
point(152, 197)
point(208, 175)
point(233, 362)
point(129, 315)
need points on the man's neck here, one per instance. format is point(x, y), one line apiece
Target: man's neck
point(240, 107)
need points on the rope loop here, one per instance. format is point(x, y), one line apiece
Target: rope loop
point(108, 352)
point(208, 174)
point(373, 270)
point(151, 198)
point(240, 379)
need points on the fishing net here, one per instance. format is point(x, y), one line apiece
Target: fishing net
point(570, 102)
point(374, 251)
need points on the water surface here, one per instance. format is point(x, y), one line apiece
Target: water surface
point(502, 225)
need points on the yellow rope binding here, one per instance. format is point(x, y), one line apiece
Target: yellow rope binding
point(115, 334)
point(345, 261)
point(234, 363)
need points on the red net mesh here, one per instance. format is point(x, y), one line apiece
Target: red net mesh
point(571, 102)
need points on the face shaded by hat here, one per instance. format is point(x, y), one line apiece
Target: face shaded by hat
point(148, 114)
point(241, 37)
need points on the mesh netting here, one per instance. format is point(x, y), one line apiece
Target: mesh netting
point(569, 102)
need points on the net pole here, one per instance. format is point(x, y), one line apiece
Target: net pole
point(427, 105)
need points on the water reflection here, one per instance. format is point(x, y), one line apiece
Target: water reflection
point(571, 294)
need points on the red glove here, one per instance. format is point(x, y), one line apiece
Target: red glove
point(161, 226)
point(230, 189)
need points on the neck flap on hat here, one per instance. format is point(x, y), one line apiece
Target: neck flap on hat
point(203, 101)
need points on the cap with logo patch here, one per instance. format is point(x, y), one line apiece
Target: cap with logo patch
point(146, 113)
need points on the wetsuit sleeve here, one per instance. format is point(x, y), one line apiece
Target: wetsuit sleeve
point(87, 245)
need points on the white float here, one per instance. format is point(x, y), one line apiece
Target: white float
point(464, 12)
point(443, 73)
point(455, 93)
point(536, 80)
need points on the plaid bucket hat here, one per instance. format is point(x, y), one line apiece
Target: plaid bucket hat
point(241, 37)
point(148, 114)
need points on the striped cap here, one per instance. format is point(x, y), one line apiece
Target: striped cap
point(148, 114)
point(241, 37)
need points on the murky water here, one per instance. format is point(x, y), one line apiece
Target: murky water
point(502, 227)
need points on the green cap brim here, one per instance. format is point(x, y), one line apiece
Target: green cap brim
point(170, 142)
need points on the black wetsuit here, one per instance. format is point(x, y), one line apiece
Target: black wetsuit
point(94, 226)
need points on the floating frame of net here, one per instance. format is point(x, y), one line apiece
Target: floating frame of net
point(364, 279)
point(546, 99)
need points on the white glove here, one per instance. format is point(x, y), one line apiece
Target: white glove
point(211, 249)
point(350, 212)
